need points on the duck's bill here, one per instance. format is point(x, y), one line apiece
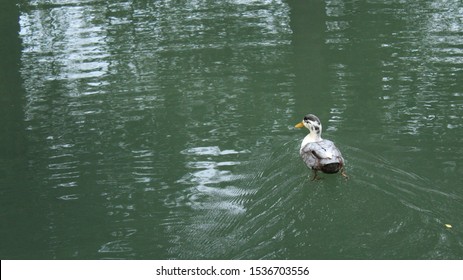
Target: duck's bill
point(299, 125)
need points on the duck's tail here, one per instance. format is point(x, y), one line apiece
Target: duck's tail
point(333, 167)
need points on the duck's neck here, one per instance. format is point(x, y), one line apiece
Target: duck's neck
point(310, 138)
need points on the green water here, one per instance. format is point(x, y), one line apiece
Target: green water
point(165, 129)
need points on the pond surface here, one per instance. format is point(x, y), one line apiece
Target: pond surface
point(165, 130)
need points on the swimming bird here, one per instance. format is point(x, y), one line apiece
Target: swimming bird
point(317, 153)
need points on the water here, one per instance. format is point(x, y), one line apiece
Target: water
point(165, 130)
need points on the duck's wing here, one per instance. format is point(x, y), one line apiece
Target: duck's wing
point(321, 150)
point(320, 153)
point(308, 156)
point(327, 150)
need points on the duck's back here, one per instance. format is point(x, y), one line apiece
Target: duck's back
point(322, 155)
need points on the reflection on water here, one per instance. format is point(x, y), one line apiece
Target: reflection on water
point(163, 130)
point(207, 177)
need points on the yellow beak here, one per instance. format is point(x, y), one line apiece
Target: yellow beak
point(299, 125)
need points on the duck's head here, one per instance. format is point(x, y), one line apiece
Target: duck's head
point(312, 123)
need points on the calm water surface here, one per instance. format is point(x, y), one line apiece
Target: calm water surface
point(164, 130)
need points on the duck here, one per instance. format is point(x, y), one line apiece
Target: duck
point(317, 153)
